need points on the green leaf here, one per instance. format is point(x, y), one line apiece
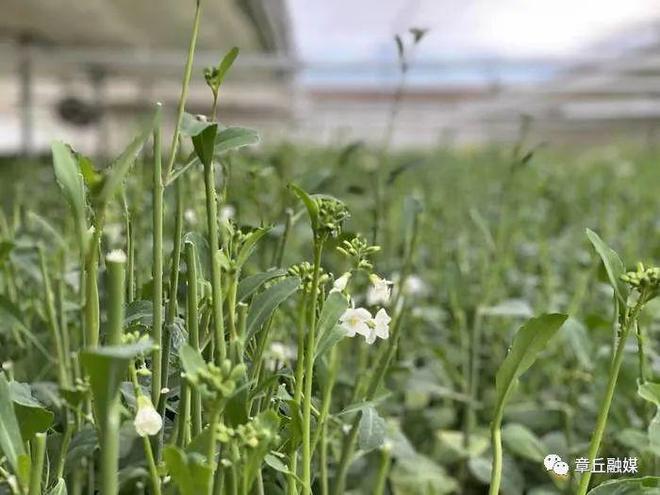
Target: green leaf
point(328, 332)
point(360, 406)
point(310, 204)
point(191, 360)
point(513, 482)
point(92, 177)
point(371, 431)
point(529, 341)
point(509, 308)
point(59, 488)
point(224, 65)
point(200, 443)
point(70, 180)
point(6, 248)
point(577, 340)
point(227, 139)
point(203, 253)
point(106, 367)
point(39, 224)
point(613, 266)
point(11, 315)
point(233, 138)
point(277, 464)
point(204, 144)
point(123, 163)
point(193, 126)
point(264, 304)
point(522, 441)
point(11, 442)
point(214, 76)
point(139, 313)
point(647, 485)
point(249, 285)
point(419, 475)
point(190, 471)
point(651, 392)
point(249, 244)
point(32, 416)
point(452, 446)
point(482, 225)
point(83, 445)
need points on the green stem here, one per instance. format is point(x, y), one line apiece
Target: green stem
point(192, 320)
point(38, 455)
point(64, 446)
point(210, 454)
point(153, 470)
point(327, 397)
point(231, 304)
point(601, 421)
point(187, 73)
point(110, 429)
point(323, 458)
point(309, 371)
point(52, 320)
point(130, 252)
point(384, 359)
point(116, 278)
point(183, 415)
point(146, 443)
point(383, 470)
point(214, 245)
point(279, 252)
point(157, 266)
point(63, 321)
point(376, 379)
point(110, 449)
point(297, 393)
point(92, 320)
point(171, 310)
point(641, 353)
point(496, 443)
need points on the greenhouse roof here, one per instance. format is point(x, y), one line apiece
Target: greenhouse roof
point(257, 26)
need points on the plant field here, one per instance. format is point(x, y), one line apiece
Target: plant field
point(210, 314)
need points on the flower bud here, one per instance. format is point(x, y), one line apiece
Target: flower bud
point(147, 420)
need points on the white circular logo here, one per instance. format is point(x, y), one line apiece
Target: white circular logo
point(553, 462)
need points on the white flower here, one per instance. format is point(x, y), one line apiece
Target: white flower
point(355, 320)
point(282, 352)
point(279, 353)
point(379, 292)
point(190, 216)
point(147, 420)
point(379, 326)
point(227, 212)
point(341, 283)
point(116, 256)
point(414, 286)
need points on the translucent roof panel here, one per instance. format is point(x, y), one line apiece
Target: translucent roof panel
point(149, 24)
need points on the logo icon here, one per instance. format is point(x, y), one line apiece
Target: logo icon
point(553, 462)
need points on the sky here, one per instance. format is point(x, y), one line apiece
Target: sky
point(328, 32)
